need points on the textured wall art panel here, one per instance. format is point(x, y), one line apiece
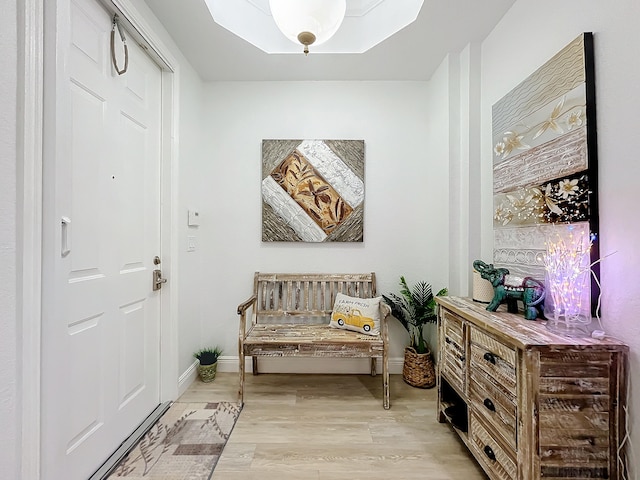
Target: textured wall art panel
point(544, 167)
point(520, 249)
point(312, 190)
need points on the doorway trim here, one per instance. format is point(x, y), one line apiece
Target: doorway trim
point(30, 140)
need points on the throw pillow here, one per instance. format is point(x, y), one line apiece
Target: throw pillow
point(357, 314)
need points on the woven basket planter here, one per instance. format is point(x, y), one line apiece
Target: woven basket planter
point(207, 372)
point(418, 369)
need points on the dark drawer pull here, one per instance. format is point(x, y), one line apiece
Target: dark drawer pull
point(447, 339)
point(490, 357)
point(488, 451)
point(489, 405)
point(461, 357)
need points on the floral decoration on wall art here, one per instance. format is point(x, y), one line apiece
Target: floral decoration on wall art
point(564, 200)
point(544, 160)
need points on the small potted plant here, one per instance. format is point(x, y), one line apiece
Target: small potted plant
point(414, 308)
point(208, 366)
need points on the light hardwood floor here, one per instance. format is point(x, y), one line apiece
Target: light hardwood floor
point(333, 427)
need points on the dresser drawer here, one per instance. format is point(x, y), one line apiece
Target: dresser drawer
point(494, 358)
point(453, 365)
point(500, 461)
point(495, 405)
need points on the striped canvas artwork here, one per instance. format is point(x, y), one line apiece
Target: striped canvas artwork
point(544, 160)
point(312, 190)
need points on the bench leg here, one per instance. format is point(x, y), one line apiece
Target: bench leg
point(241, 387)
point(385, 380)
point(254, 362)
point(374, 366)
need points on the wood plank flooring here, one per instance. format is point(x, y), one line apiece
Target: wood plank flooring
point(333, 427)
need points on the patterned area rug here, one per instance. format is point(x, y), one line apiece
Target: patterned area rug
point(184, 444)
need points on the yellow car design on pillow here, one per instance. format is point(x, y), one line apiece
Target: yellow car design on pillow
point(354, 317)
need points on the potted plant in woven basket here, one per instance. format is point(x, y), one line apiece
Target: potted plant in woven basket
point(208, 363)
point(414, 308)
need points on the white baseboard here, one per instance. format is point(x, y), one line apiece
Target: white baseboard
point(309, 365)
point(188, 377)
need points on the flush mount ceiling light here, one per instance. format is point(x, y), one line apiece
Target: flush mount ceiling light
point(308, 21)
point(366, 22)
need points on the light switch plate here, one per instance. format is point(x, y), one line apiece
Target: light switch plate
point(191, 244)
point(194, 218)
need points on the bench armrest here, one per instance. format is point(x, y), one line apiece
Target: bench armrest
point(242, 308)
point(385, 310)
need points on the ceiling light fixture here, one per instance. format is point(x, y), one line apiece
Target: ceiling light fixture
point(366, 23)
point(309, 22)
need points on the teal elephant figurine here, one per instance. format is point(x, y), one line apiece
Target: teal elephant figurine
point(509, 290)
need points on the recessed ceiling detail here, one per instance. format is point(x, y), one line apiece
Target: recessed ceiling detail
point(366, 24)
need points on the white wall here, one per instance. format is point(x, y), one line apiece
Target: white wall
point(406, 181)
point(9, 409)
point(443, 144)
point(528, 35)
point(192, 157)
point(463, 93)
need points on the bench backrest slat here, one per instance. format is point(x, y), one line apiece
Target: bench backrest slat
point(307, 294)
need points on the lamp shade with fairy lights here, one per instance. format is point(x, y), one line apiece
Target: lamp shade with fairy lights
point(567, 305)
point(308, 22)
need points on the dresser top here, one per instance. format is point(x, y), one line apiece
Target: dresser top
point(523, 333)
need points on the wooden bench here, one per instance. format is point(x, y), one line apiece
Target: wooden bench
point(290, 318)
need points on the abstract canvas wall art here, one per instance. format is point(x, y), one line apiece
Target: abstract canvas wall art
point(545, 161)
point(312, 190)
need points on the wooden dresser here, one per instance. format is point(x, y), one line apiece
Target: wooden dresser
point(528, 403)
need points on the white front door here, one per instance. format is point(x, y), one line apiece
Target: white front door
point(101, 232)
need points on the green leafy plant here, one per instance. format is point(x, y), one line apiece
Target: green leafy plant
point(414, 308)
point(208, 356)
